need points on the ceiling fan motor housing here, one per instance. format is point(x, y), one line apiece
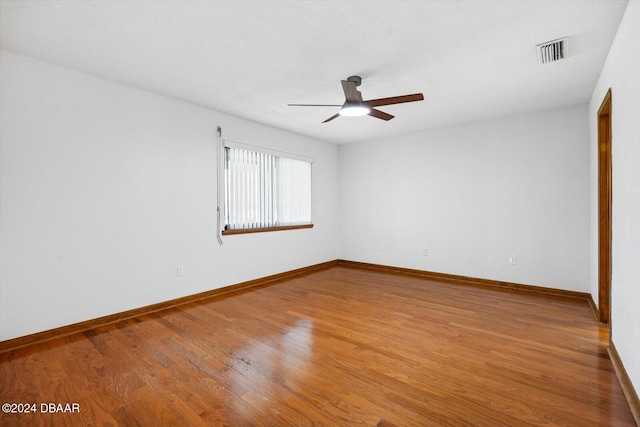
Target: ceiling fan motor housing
point(355, 79)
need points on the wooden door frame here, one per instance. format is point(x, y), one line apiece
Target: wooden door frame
point(604, 209)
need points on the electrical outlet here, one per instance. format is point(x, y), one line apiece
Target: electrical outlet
point(425, 252)
point(180, 271)
point(381, 247)
point(513, 260)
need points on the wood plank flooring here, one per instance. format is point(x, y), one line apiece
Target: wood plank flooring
point(341, 346)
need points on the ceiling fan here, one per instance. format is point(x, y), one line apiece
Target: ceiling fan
point(355, 106)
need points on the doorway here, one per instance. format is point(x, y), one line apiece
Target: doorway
point(604, 210)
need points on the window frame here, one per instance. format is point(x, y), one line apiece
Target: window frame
point(223, 177)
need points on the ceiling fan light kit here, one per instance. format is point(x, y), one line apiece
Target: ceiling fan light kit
point(354, 106)
point(354, 110)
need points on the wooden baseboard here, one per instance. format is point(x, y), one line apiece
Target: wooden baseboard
point(62, 331)
point(464, 280)
point(625, 382)
point(26, 340)
point(594, 309)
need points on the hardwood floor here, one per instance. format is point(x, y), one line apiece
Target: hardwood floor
point(341, 346)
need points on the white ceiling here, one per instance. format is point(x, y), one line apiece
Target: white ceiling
point(473, 60)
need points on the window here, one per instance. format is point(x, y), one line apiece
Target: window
point(265, 191)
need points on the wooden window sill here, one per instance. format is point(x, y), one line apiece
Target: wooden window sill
point(265, 229)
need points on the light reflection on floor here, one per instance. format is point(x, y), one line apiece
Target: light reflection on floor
point(276, 365)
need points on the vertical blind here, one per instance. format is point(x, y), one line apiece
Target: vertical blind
point(265, 190)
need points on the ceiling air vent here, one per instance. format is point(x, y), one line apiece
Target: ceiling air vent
point(552, 51)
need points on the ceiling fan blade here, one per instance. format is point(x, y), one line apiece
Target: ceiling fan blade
point(380, 114)
point(350, 92)
point(314, 105)
point(331, 118)
point(395, 100)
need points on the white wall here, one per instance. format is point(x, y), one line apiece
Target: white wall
point(474, 195)
point(105, 189)
point(621, 73)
